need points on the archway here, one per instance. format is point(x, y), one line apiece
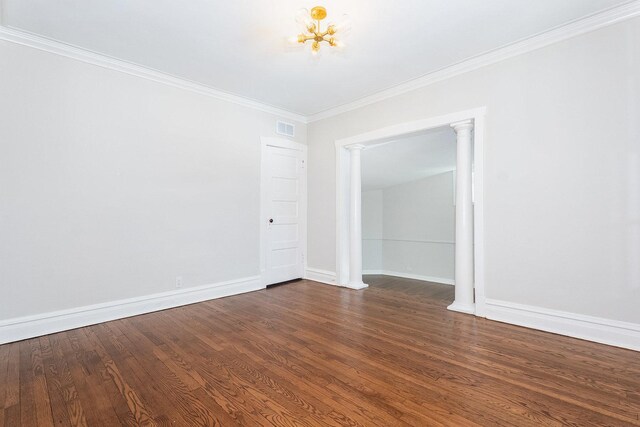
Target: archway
point(469, 253)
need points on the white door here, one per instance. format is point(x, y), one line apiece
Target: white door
point(283, 199)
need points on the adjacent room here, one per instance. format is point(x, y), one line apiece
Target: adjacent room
point(408, 207)
point(331, 213)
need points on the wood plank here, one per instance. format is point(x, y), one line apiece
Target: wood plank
point(97, 409)
point(10, 397)
point(59, 376)
point(35, 405)
point(54, 385)
point(5, 353)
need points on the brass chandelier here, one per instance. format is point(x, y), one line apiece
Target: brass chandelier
point(314, 32)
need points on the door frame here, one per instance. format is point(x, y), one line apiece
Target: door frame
point(270, 141)
point(388, 134)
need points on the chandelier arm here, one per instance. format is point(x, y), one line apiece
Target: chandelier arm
point(307, 38)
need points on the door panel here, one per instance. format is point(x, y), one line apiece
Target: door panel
point(284, 247)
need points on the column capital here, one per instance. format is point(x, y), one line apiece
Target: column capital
point(462, 125)
point(355, 147)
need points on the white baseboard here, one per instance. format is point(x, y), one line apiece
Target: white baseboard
point(605, 331)
point(21, 328)
point(322, 276)
point(329, 278)
point(411, 276)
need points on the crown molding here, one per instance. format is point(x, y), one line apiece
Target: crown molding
point(573, 29)
point(52, 46)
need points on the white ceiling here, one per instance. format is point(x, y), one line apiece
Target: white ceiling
point(409, 159)
point(240, 46)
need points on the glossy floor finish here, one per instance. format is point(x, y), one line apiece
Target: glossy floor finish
point(306, 354)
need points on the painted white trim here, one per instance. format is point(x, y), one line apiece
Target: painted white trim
point(605, 331)
point(478, 212)
point(271, 141)
point(394, 132)
point(435, 242)
point(322, 276)
point(356, 286)
point(432, 279)
point(573, 29)
point(389, 133)
point(21, 328)
point(53, 46)
point(275, 141)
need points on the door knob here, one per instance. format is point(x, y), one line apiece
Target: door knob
point(270, 220)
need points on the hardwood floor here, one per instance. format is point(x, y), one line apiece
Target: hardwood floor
point(306, 354)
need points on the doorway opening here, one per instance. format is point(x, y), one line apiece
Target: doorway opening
point(408, 207)
point(469, 234)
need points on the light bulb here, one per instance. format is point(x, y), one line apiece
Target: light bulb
point(303, 18)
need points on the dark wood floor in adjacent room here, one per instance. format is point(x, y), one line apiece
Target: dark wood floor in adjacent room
point(307, 354)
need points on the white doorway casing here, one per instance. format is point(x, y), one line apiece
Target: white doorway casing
point(474, 264)
point(355, 218)
point(283, 210)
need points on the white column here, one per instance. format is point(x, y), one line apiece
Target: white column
point(464, 301)
point(355, 220)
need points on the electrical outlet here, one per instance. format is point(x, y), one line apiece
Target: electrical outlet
point(179, 282)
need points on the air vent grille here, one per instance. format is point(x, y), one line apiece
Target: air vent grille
point(286, 129)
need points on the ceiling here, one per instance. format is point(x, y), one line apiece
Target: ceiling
point(241, 46)
point(409, 159)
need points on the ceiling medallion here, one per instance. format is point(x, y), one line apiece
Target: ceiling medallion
point(313, 29)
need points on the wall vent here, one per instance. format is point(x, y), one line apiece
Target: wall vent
point(286, 129)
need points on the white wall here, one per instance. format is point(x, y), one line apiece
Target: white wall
point(418, 228)
point(112, 185)
point(372, 217)
point(408, 229)
point(562, 171)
